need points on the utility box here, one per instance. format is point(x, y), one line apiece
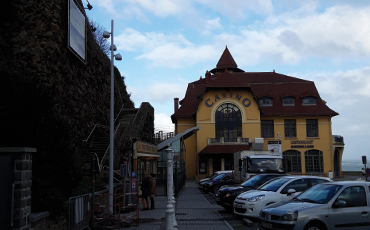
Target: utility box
point(330, 174)
point(257, 144)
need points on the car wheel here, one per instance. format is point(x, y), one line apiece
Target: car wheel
point(215, 189)
point(315, 226)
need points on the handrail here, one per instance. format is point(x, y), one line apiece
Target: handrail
point(115, 131)
point(90, 133)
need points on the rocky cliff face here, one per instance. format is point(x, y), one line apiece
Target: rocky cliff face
point(79, 92)
point(49, 98)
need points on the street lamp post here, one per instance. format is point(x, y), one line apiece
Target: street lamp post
point(118, 57)
point(171, 223)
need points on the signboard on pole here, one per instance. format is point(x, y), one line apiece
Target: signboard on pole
point(77, 31)
point(274, 146)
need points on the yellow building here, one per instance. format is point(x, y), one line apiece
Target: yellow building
point(234, 107)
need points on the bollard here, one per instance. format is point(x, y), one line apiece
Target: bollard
point(170, 208)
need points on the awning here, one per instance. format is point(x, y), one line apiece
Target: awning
point(147, 155)
point(219, 149)
point(184, 135)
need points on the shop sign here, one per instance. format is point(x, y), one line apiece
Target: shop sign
point(245, 101)
point(274, 146)
point(302, 144)
point(146, 148)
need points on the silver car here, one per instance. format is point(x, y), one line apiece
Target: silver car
point(332, 205)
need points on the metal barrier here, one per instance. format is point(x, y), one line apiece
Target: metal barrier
point(78, 212)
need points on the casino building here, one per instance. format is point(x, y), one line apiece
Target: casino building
point(235, 109)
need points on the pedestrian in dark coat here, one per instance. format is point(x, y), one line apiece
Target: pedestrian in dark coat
point(152, 191)
point(145, 192)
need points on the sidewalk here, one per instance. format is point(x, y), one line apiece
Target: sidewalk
point(192, 212)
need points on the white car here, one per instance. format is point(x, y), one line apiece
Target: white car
point(249, 204)
point(336, 205)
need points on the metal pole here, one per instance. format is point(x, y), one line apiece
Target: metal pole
point(170, 211)
point(111, 135)
point(93, 191)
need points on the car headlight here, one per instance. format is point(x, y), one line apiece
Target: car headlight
point(255, 198)
point(290, 216)
point(227, 195)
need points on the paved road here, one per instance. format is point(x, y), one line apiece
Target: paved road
point(236, 222)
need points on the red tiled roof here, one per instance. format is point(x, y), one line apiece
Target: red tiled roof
point(218, 149)
point(226, 62)
point(261, 84)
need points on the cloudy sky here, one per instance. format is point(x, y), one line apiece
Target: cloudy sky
point(165, 44)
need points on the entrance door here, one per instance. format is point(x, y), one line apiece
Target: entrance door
point(6, 184)
point(216, 164)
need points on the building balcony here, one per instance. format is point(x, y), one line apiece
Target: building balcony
point(337, 140)
point(228, 141)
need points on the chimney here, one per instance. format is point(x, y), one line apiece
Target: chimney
point(176, 101)
point(208, 76)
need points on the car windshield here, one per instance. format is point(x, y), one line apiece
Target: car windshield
point(219, 177)
point(252, 181)
point(274, 185)
point(320, 193)
point(258, 165)
point(214, 175)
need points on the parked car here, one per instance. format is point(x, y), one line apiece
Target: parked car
point(211, 177)
point(220, 180)
point(226, 194)
point(334, 205)
point(249, 204)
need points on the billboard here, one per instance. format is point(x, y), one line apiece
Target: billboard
point(77, 31)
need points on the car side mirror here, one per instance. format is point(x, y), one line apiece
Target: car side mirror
point(290, 191)
point(340, 204)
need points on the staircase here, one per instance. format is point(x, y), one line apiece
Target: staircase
point(99, 146)
point(101, 140)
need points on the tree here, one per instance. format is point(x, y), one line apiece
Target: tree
point(102, 42)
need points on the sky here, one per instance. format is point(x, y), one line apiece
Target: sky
point(166, 44)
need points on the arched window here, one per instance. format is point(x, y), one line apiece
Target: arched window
point(309, 100)
point(265, 101)
point(314, 161)
point(288, 101)
point(292, 161)
point(228, 121)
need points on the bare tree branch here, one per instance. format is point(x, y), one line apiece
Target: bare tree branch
point(98, 31)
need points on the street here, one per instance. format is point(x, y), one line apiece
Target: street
point(232, 219)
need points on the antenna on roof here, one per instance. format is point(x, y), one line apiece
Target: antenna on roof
point(273, 70)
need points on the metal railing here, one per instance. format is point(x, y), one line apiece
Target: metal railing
point(78, 212)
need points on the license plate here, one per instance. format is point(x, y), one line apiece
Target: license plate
point(238, 205)
point(266, 225)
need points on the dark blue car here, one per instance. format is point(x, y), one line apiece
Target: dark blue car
point(217, 182)
point(227, 194)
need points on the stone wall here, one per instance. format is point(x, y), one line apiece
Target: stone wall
point(80, 92)
point(50, 99)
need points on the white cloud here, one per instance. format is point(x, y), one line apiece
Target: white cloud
point(162, 122)
point(212, 24)
point(239, 9)
point(158, 92)
point(133, 40)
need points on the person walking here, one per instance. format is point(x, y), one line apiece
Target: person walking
point(152, 191)
point(145, 192)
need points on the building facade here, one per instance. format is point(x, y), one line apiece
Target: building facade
point(235, 109)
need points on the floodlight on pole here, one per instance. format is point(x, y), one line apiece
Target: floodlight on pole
point(118, 57)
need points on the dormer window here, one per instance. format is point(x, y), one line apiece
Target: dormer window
point(288, 101)
point(265, 101)
point(309, 100)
